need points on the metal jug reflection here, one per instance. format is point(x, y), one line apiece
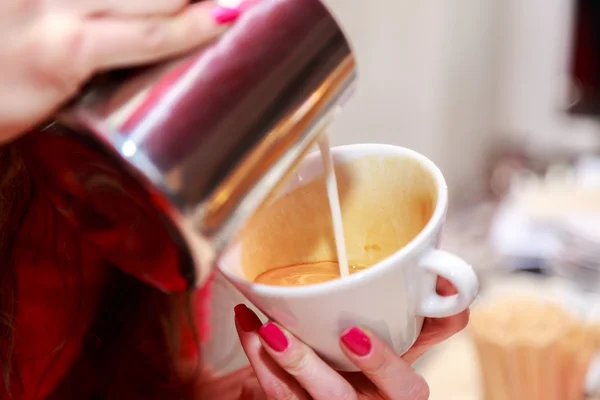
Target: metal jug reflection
point(161, 166)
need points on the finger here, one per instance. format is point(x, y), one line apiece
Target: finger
point(393, 376)
point(117, 42)
point(276, 383)
point(252, 391)
point(72, 49)
point(444, 287)
point(435, 331)
point(121, 8)
point(301, 362)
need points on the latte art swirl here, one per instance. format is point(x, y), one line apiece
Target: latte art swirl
point(304, 274)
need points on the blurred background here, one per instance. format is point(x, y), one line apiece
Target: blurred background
point(457, 80)
point(504, 97)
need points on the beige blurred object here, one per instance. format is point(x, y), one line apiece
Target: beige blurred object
point(560, 201)
point(532, 349)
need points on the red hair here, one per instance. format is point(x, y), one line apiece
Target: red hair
point(139, 342)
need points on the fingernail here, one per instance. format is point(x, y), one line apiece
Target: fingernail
point(246, 318)
point(274, 337)
point(357, 342)
point(225, 15)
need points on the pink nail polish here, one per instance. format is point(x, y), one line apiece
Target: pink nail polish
point(246, 318)
point(273, 336)
point(357, 342)
point(225, 15)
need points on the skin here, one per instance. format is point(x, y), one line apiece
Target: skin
point(298, 373)
point(54, 46)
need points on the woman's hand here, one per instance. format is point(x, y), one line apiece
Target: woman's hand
point(286, 368)
point(51, 47)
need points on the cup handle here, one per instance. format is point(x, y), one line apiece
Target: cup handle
point(459, 273)
point(592, 378)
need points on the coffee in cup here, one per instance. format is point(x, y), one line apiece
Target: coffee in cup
point(385, 203)
point(304, 274)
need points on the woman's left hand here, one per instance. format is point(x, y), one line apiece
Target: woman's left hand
point(286, 368)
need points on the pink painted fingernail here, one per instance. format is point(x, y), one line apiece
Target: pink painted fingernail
point(357, 342)
point(273, 336)
point(225, 15)
point(246, 318)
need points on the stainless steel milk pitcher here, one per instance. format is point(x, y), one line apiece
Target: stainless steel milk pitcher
point(161, 166)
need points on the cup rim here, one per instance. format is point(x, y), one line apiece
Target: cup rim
point(383, 266)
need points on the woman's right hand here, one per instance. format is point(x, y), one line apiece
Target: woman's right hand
point(52, 47)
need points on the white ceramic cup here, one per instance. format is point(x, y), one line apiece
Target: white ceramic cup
point(394, 203)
